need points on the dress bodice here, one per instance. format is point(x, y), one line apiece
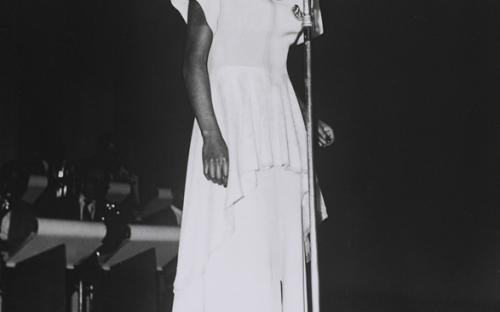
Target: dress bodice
point(254, 33)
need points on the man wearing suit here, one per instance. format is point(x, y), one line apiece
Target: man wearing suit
point(86, 196)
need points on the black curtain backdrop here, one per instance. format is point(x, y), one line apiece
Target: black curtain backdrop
point(411, 88)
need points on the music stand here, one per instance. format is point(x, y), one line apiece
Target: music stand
point(80, 239)
point(164, 239)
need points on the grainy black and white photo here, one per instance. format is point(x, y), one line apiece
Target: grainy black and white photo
point(249, 156)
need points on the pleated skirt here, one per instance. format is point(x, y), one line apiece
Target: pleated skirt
point(261, 266)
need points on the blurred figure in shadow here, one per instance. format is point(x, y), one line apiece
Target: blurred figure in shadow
point(62, 189)
point(107, 154)
point(145, 208)
point(92, 202)
point(17, 220)
point(94, 185)
point(61, 177)
point(82, 196)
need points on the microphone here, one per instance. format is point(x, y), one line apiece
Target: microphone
point(297, 12)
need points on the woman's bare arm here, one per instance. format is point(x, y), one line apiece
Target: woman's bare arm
point(198, 42)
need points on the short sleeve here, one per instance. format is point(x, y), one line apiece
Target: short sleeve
point(211, 10)
point(317, 22)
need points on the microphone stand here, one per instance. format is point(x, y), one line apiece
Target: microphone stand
point(307, 27)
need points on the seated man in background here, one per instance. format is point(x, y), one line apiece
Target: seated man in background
point(108, 156)
point(92, 202)
point(86, 196)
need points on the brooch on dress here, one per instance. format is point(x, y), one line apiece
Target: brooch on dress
point(297, 12)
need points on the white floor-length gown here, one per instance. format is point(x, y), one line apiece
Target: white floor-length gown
point(241, 247)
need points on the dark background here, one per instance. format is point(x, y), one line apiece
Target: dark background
point(411, 88)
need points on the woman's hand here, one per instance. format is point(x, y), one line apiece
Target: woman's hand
point(215, 159)
point(326, 136)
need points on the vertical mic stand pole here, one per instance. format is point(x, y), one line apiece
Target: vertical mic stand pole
point(307, 27)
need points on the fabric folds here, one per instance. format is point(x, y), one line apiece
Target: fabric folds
point(263, 128)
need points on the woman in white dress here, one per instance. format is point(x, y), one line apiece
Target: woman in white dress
point(241, 245)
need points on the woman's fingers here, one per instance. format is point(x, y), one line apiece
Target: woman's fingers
point(218, 170)
point(215, 161)
point(326, 135)
point(321, 135)
point(321, 131)
point(205, 168)
point(211, 169)
point(225, 170)
point(321, 141)
point(330, 136)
